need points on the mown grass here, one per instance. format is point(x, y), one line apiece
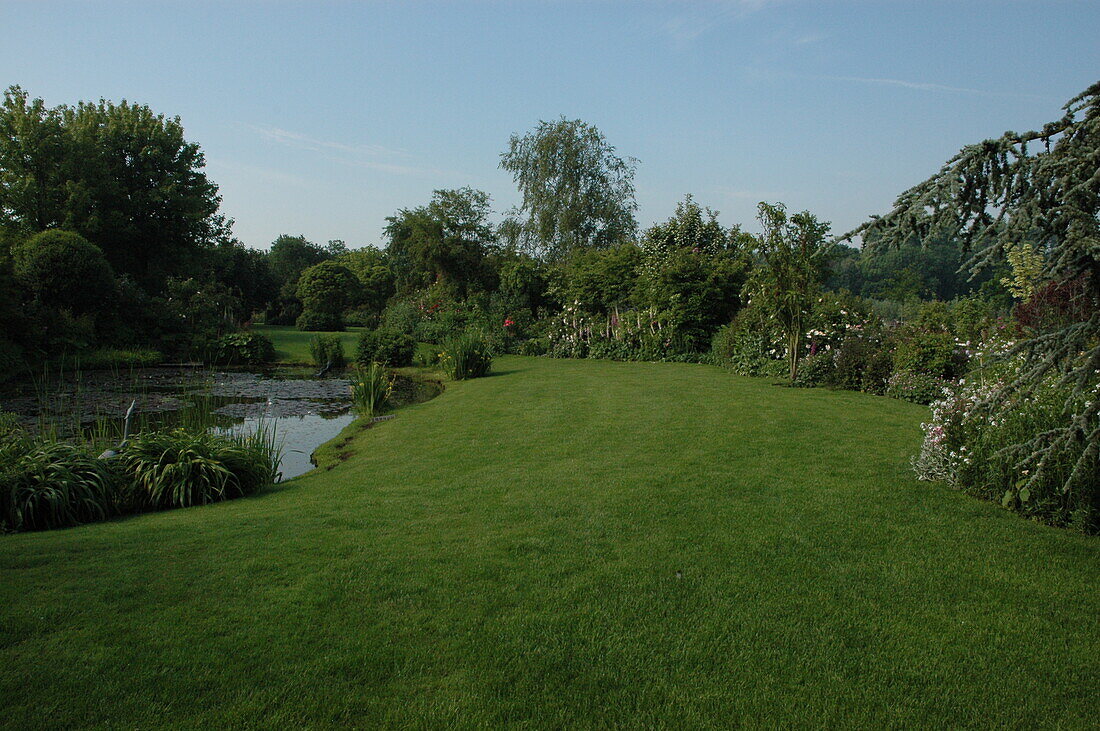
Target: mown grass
point(292, 344)
point(508, 554)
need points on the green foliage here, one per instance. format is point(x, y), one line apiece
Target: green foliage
point(327, 350)
point(244, 348)
point(862, 363)
point(376, 278)
point(181, 468)
point(388, 347)
point(985, 453)
point(916, 386)
point(115, 358)
point(791, 258)
point(61, 269)
point(372, 388)
point(444, 242)
point(47, 484)
point(577, 192)
point(598, 280)
point(1038, 187)
point(466, 356)
point(310, 321)
point(926, 351)
point(326, 290)
point(101, 170)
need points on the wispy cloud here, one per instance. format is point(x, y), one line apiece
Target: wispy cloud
point(295, 139)
point(927, 86)
point(369, 157)
point(685, 28)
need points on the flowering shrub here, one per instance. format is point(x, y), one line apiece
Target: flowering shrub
point(632, 335)
point(973, 447)
point(920, 388)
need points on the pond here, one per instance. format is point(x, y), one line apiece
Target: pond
point(305, 411)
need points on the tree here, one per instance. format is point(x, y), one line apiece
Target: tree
point(792, 256)
point(371, 267)
point(120, 175)
point(326, 291)
point(62, 270)
point(577, 192)
point(997, 194)
point(445, 241)
point(599, 280)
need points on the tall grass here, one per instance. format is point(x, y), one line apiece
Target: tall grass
point(466, 356)
point(372, 389)
point(180, 468)
point(46, 484)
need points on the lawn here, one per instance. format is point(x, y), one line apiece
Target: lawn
point(292, 344)
point(570, 543)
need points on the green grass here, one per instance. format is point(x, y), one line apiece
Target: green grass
point(507, 554)
point(292, 344)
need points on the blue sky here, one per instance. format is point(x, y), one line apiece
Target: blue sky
point(323, 118)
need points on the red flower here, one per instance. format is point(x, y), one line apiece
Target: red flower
point(508, 322)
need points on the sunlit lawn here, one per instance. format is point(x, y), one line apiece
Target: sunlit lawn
point(292, 344)
point(570, 543)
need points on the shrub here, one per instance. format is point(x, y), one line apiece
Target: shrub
point(327, 350)
point(372, 388)
point(314, 321)
point(974, 449)
point(466, 356)
point(815, 370)
point(326, 291)
point(62, 269)
point(862, 363)
point(931, 352)
point(243, 348)
point(51, 485)
point(388, 347)
point(920, 388)
point(180, 468)
point(534, 346)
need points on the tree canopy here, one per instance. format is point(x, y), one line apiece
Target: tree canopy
point(1041, 187)
point(577, 192)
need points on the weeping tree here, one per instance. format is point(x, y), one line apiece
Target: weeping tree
point(791, 259)
point(577, 192)
point(1038, 188)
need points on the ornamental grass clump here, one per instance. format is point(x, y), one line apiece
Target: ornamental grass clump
point(372, 389)
point(466, 356)
point(181, 467)
point(52, 485)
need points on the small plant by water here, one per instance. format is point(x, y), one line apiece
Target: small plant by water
point(466, 356)
point(372, 389)
point(327, 350)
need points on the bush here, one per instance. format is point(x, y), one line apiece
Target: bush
point(372, 388)
point(62, 269)
point(326, 291)
point(931, 352)
point(314, 321)
point(862, 364)
point(815, 370)
point(974, 449)
point(466, 356)
point(327, 351)
point(920, 388)
point(243, 348)
point(388, 347)
point(180, 468)
point(52, 485)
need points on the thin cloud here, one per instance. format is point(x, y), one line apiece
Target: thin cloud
point(685, 28)
point(295, 139)
point(926, 86)
point(359, 156)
